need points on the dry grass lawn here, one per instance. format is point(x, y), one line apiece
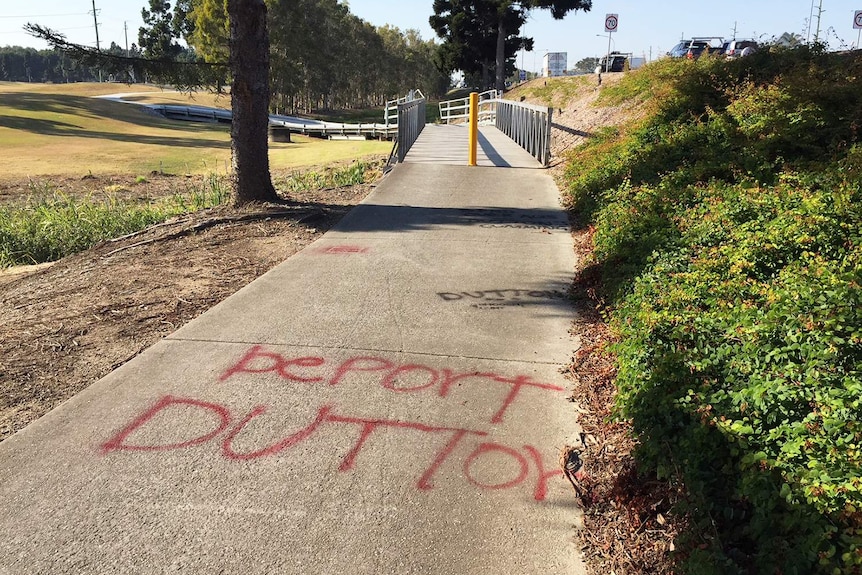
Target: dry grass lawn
point(62, 129)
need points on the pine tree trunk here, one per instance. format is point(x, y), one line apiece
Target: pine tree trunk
point(249, 58)
point(501, 54)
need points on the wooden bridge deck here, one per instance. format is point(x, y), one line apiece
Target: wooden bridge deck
point(449, 144)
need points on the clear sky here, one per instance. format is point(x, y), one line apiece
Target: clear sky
point(645, 28)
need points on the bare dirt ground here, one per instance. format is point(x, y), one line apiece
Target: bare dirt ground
point(65, 325)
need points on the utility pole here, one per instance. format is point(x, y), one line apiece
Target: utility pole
point(819, 17)
point(96, 23)
point(126, 30)
point(810, 21)
point(734, 30)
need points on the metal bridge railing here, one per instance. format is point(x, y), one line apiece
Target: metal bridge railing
point(459, 109)
point(411, 122)
point(390, 114)
point(528, 125)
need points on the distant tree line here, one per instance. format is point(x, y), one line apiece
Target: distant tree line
point(321, 55)
point(325, 57)
point(19, 64)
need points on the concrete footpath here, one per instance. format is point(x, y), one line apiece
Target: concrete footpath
point(388, 400)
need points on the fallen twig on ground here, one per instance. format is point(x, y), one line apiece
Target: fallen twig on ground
point(214, 222)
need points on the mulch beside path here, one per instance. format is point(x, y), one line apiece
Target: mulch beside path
point(628, 528)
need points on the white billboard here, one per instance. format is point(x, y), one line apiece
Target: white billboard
point(554, 64)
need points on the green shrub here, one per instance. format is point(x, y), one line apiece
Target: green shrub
point(743, 351)
point(728, 225)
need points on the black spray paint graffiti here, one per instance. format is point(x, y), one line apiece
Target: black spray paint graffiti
point(498, 299)
point(514, 219)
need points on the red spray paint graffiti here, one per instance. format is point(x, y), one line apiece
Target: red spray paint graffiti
point(451, 448)
point(334, 250)
point(164, 413)
point(408, 378)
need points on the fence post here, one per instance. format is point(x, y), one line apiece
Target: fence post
point(474, 128)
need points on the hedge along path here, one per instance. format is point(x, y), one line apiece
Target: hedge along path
point(734, 283)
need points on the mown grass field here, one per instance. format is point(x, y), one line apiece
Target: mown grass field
point(53, 129)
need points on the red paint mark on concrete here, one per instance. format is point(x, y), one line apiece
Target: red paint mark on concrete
point(252, 360)
point(424, 482)
point(542, 483)
point(370, 425)
point(344, 250)
point(517, 383)
point(491, 448)
point(360, 364)
point(391, 379)
point(286, 443)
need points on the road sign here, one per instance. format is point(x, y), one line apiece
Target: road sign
point(611, 22)
point(857, 19)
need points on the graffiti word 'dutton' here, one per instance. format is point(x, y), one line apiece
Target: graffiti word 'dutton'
point(524, 463)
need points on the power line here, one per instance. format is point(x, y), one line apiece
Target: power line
point(46, 15)
point(88, 27)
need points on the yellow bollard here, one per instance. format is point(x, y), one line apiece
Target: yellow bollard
point(474, 127)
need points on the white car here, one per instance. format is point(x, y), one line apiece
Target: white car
point(739, 48)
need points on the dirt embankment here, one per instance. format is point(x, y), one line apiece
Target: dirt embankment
point(67, 324)
point(576, 117)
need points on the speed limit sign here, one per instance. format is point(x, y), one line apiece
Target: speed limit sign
point(611, 22)
point(857, 19)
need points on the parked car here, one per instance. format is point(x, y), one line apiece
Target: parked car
point(696, 47)
point(617, 62)
point(690, 49)
point(734, 48)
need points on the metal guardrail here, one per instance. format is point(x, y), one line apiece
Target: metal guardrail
point(334, 131)
point(528, 125)
point(304, 126)
point(459, 109)
point(411, 122)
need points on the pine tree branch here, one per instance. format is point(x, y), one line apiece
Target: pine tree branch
point(186, 76)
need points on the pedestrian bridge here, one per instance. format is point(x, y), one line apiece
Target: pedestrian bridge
point(449, 145)
point(497, 132)
point(509, 134)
